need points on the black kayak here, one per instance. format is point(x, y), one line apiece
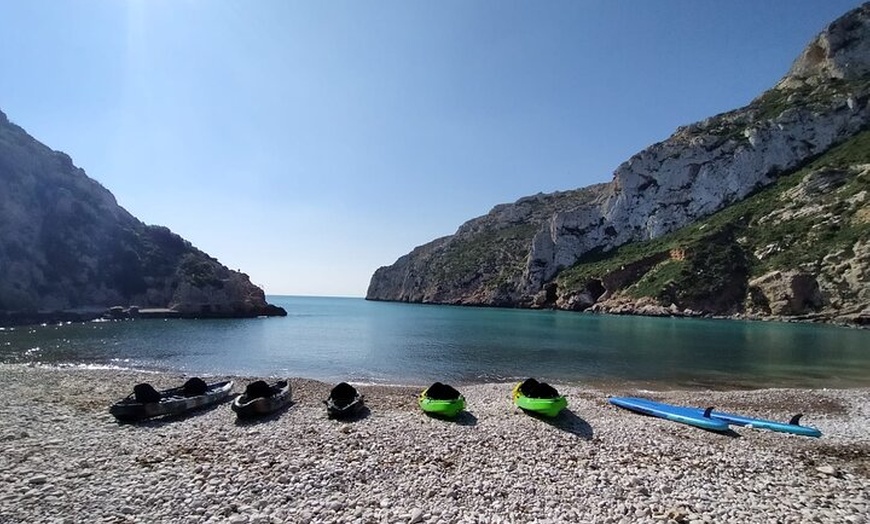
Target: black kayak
point(344, 401)
point(146, 402)
point(261, 399)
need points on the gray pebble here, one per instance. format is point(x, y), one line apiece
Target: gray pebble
point(399, 466)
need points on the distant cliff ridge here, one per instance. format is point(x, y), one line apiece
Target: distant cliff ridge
point(66, 245)
point(528, 254)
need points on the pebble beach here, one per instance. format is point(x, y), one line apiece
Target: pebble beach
point(64, 458)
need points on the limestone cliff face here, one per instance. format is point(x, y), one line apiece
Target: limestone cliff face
point(701, 169)
point(704, 167)
point(483, 263)
point(66, 244)
point(839, 52)
point(799, 249)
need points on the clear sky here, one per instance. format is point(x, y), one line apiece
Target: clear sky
point(307, 143)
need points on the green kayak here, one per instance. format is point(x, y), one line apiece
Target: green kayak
point(434, 401)
point(549, 407)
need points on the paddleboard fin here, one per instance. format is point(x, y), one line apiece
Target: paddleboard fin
point(708, 411)
point(795, 420)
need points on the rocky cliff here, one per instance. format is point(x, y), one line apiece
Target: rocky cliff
point(516, 257)
point(66, 245)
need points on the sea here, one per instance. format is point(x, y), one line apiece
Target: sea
point(351, 339)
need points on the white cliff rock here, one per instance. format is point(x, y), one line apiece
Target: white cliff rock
point(840, 51)
point(788, 292)
point(707, 166)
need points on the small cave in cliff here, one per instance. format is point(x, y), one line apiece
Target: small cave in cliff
point(582, 298)
point(595, 288)
point(815, 55)
point(550, 293)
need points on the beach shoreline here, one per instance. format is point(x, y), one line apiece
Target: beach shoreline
point(65, 459)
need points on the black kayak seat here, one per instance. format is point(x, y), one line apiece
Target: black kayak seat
point(546, 391)
point(531, 388)
point(258, 389)
point(195, 386)
point(145, 393)
point(439, 391)
point(343, 394)
point(528, 387)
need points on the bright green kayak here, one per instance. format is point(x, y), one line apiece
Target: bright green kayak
point(444, 408)
point(549, 407)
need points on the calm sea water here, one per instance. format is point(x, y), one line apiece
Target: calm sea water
point(352, 339)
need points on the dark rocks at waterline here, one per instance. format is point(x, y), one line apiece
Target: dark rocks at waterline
point(26, 318)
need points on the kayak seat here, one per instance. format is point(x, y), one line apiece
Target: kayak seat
point(145, 393)
point(528, 387)
point(195, 386)
point(531, 388)
point(343, 394)
point(546, 391)
point(439, 391)
point(258, 389)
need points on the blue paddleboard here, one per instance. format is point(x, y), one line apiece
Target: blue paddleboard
point(784, 427)
point(691, 416)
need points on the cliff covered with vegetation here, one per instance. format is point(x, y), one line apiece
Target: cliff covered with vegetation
point(757, 212)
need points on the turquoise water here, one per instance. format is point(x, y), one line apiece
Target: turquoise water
point(352, 339)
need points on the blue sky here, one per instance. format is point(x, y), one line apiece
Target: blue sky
point(308, 143)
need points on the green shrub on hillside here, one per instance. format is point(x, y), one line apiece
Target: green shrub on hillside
point(720, 250)
point(494, 252)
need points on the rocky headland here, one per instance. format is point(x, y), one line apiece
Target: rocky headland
point(761, 212)
point(68, 251)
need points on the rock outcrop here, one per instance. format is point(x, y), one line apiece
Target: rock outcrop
point(482, 263)
point(67, 246)
point(785, 293)
point(700, 170)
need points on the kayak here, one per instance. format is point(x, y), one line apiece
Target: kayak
point(445, 408)
point(146, 402)
point(261, 399)
point(692, 416)
point(441, 400)
point(538, 398)
point(344, 401)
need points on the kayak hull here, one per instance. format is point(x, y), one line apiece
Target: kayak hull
point(172, 402)
point(548, 407)
point(247, 407)
point(336, 410)
point(443, 408)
